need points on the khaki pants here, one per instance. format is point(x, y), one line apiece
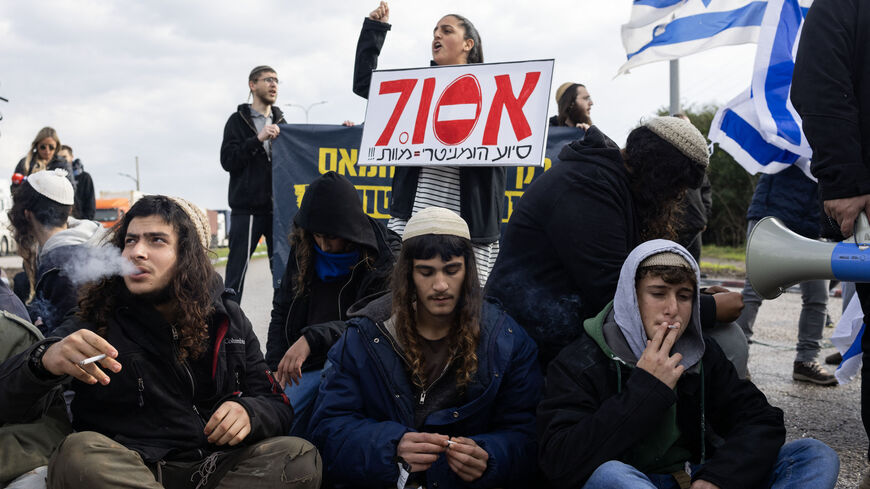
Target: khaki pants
point(93, 461)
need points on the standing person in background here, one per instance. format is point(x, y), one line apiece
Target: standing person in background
point(42, 156)
point(86, 202)
point(792, 197)
point(475, 193)
point(246, 153)
point(574, 104)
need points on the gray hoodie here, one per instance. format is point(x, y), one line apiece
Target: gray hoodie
point(627, 314)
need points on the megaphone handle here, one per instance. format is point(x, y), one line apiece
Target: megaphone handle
point(861, 226)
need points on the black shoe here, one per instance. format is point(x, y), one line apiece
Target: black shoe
point(812, 372)
point(834, 359)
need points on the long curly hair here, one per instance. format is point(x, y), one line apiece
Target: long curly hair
point(465, 333)
point(189, 286)
point(46, 212)
point(659, 175)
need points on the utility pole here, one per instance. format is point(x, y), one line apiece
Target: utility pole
point(675, 86)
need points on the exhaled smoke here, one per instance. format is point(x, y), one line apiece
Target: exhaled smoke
point(88, 264)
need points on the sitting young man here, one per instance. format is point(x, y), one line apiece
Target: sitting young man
point(183, 397)
point(40, 217)
point(642, 400)
point(430, 385)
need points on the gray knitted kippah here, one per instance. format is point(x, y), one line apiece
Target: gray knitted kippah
point(682, 135)
point(198, 218)
point(665, 259)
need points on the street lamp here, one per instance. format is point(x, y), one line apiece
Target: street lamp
point(131, 177)
point(306, 109)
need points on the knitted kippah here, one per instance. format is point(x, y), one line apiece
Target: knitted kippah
point(562, 89)
point(436, 220)
point(665, 259)
point(682, 135)
point(198, 218)
point(53, 184)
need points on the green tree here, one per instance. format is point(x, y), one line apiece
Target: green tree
point(732, 186)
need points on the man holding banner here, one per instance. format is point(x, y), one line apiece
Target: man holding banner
point(831, 92)
point(246, 153)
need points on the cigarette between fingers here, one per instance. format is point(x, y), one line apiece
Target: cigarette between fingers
point(673, 326)
point(92, 359)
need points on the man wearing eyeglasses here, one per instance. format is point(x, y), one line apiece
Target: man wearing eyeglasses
point(246, 152)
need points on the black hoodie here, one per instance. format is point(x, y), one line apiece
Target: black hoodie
point(331, 206)
point(250, 167)
point(565, 244)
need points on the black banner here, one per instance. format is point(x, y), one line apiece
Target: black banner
point(303, 152)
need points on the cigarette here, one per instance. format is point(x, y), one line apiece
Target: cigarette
point(672, 326)
point(450, 442)
point(93, 359)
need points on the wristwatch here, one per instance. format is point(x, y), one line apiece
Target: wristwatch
point(35, 362)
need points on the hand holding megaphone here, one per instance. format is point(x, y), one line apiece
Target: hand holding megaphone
point(777, 258)
point(846, 211)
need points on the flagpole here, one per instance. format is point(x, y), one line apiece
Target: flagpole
point(675, 86)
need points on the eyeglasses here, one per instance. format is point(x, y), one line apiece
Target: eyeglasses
point(271, 79)
point(49, 147)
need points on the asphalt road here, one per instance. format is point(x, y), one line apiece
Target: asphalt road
point(829, 414)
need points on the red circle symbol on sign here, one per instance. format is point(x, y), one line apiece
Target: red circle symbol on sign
point(457, 110)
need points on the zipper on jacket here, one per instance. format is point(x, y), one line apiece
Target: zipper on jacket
point(141, 385)
point(186, 369)
point(426, 390)
point(341, 291)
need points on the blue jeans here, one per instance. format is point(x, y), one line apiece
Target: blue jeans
point(801, 463)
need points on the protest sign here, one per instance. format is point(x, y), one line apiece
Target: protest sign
point(477, 114)
point(303, 152)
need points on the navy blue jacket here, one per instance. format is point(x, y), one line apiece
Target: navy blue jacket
point(366, 405)
point(791, 197)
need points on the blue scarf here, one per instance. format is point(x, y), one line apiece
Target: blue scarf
point(333, 266)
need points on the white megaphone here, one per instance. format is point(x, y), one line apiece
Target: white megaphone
point(777, 258)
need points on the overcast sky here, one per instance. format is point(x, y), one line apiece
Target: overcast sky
point(158, 79)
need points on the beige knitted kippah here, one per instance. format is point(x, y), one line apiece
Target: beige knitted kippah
point(561, 90)
point(436, 220)
point(682, 135)
point(198, 218)
point(665, 259)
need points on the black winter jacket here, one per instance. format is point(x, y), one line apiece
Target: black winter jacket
point(250, 167)
point(565, 244)
point(596, 409)
point(290, 315)
point(156, 405)
point(481, 189)
point(831, 92)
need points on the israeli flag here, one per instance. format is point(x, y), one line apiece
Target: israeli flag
point(847, 338)
point(760, 128)
point(661, 30)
